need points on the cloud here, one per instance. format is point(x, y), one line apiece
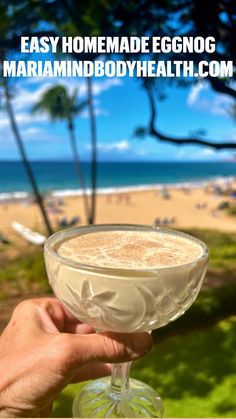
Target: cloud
point(119, 146)
point(4, 122)
point(203, 98)
point(29, 92)
point(97, 112)
point(205, 152)
point(107, 84)
point(195, 92)
point(221, 105)
point(98, 87)
point(33, 131)
point(25, 97)
point(141, 153)
point(22, 118)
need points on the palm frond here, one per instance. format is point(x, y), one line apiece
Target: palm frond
point(59, 104)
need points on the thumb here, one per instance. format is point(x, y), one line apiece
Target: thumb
point(107, 347)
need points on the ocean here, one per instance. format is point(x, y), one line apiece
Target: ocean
point(61, 176)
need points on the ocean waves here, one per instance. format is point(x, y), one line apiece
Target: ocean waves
point(64, 193)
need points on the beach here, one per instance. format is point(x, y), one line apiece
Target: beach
point(174, 207)
point(171, 194)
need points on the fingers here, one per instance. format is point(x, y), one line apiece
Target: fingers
point(62, 319)
point(105, 347)
point(79, 328)
point(48, 314)
point(74, 350)
point(91, 371)
point(40, 314)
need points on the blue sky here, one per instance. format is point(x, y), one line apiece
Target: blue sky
point(121, 106)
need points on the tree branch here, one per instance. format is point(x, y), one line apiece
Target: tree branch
point(177, 140)
point(219, 86)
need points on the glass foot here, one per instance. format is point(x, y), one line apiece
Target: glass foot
point(96, 400)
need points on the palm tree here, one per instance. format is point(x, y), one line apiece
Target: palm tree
point(60, 105)
point(15, 21)
point(27, 166)
point(94, 150)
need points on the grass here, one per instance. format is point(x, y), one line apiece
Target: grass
point(211, 306)
point(196, 372)
point(222, 247)
point(193, 362)
point(29, 269)
point(24, 274)
point(232, 210)
point(193, 373)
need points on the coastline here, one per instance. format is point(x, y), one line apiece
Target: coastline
point(184, 205)
point(16, 196)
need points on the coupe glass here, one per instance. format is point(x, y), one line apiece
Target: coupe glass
point(122, 300)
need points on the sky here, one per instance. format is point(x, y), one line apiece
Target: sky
point(121, 106)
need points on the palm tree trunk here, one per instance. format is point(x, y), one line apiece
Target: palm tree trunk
point(25, 161)
point(77, 163)
point(94, 151)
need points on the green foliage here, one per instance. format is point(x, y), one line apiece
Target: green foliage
point(193, 362)
point(140, 132)
point(24, 275)
point(232, 210)
point(217, 298)
point(211, 305)
point(222, 247)
point(193, 373)
point(59, 104)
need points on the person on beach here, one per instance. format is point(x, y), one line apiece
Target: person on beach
point(43, 348)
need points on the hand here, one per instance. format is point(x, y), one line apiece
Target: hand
point(44, 348)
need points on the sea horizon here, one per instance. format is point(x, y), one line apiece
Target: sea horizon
point(59, 177)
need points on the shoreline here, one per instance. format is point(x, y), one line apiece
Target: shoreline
point(184, 206)
point(24, 196)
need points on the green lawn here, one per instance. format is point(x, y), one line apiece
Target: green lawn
point(194, 373)
point(193, 363)
point(222, 247)
point(27, 272)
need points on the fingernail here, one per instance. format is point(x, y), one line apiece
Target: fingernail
point(142, 342)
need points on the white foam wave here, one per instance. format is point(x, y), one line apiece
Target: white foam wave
point(137, 188)
point(63, 193)
point(12, 196)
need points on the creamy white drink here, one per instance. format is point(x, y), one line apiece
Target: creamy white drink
point(127, 280)
point(124, 278)
point(130, 250)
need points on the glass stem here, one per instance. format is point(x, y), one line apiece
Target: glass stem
point(120, 378)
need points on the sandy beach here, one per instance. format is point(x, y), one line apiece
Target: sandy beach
point(180, 209)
